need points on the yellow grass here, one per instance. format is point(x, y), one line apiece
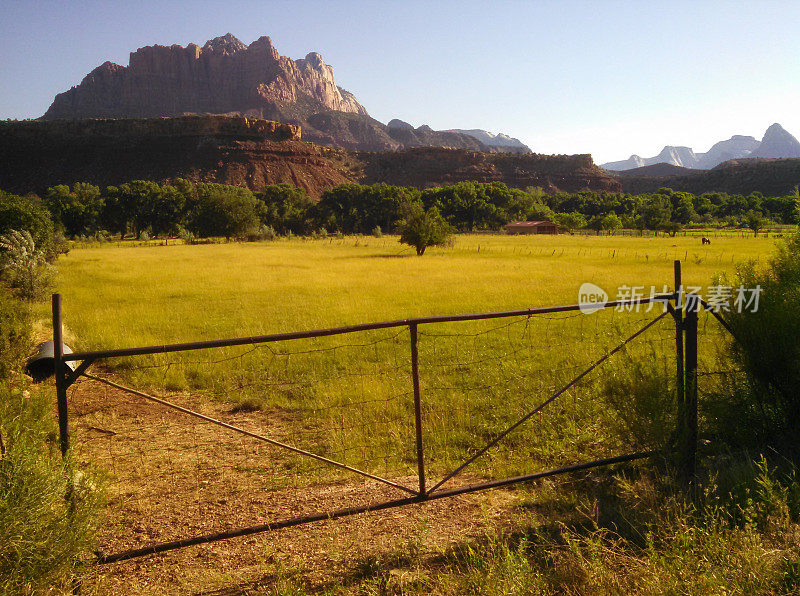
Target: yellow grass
point(119, 296)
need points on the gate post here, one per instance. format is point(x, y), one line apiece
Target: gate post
point(680, 380)
point(690, 391)
point(417, 408)
point(61, 378)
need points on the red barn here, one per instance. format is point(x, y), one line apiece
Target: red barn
point(531, 227)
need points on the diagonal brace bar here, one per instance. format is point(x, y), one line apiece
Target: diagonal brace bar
point(541, 406)
point(250, 434)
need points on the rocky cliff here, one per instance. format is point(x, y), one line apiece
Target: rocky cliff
point(425, 167)
point(777, 142)
point(39, 154)
point(225, 76)
point(249, 152)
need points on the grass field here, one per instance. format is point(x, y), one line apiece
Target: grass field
point(349, 397)
point(115, 297)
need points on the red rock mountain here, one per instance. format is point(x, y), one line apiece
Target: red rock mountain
point(225, 76)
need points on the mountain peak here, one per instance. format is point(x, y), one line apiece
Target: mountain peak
point(225, 44)
point(777, 142)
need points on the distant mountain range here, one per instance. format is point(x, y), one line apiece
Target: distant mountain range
point(776, 143)
point(228, 77)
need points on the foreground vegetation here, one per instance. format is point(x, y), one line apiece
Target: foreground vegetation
point(48, 506)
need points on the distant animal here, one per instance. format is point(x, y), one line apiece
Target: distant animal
point(706, 240)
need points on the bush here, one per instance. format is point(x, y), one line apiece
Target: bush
point(260, 233)
point(23, 266)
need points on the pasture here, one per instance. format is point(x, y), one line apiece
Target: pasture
point(349, 397)
point(126, 296)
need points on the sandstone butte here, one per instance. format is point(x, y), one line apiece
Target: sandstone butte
point(252, 152)
point(225, 76)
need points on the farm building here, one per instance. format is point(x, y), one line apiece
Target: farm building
point(531, 227)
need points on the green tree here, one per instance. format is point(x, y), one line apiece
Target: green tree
point(78, 209)
point(223, 210)
point(570, 222)
point(30, 215)
point(421, 229)
point(285, 207)
point(755, 221)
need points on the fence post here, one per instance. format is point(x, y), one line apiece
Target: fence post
point(680, 381)
point(690, 448)
point(61, 379)
point(417, 408)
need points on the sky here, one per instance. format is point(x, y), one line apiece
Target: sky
point(610, 78)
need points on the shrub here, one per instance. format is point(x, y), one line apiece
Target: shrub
point(23, 266)
point(377, 232)
point(260, 233)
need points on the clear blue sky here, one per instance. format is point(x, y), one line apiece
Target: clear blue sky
point(603, 77)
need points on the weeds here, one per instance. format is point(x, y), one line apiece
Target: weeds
point(47, 508)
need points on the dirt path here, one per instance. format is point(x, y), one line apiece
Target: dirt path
point(170, 476)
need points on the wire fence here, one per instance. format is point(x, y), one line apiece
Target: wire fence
point(200, 441)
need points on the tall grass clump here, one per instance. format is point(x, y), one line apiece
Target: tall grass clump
point(767, 349)
point(47, 508)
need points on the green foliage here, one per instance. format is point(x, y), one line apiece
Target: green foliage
point(357, 208)
point(222, 210)
point(570, 221)
point(421, 229)
point(14, 332)
point(470, 206)
point(285, 208)
point(144, 205)
point(47, 507)
point(78, 209)
point(27, 214)
point(768, 346)
point(754, 220)
point(23, 266)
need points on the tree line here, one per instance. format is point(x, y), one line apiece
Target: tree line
point(184, 208)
